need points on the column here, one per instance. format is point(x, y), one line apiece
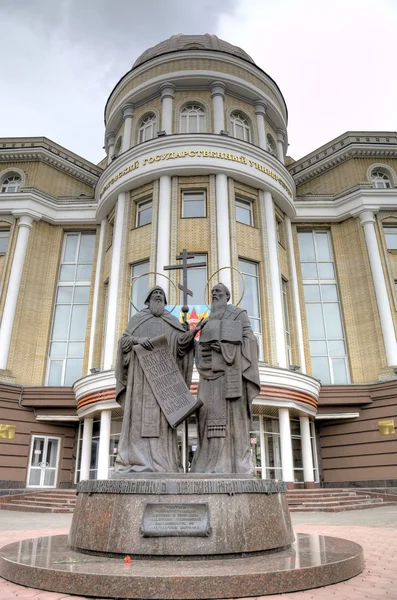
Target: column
point(128, 112)
point(280, 145)
point(286, 446)
point(104, 441)
point(218, 97)
point(10, 306)
point(260, 111)
point(295, 292)
point(167, 91)
point(110, 139)
point(114, 283)
point(262, 444)
point(275, 281)
point(97, 289)
point(163, 231)
point(222, 230)
point(85, 462)
point(307, 454)
point(367, 220)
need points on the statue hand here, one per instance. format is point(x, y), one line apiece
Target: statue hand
point(145, 343)
point(127, 343)
point(216, 346)
point(201, 324)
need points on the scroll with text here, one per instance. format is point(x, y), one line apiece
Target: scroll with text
point(166, 381)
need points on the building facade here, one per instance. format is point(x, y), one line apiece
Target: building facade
point(196, 141)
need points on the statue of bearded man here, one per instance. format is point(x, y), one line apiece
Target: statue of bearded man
point(227, 361)
point(147, 442)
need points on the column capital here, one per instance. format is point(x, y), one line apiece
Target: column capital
point(127, 110)
point(366, 216)
point(260, 108)
point(25, 221)
point(217, 88)
point(280, 135)
point(167, 90)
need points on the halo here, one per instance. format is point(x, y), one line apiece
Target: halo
point(213, 275)
point(134, 279)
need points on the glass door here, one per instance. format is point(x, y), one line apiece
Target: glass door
point(43, 463)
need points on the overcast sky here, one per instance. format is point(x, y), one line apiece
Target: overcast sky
point(333, 61)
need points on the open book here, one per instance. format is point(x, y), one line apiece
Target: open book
point(222, 331)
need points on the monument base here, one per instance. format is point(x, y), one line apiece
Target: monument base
point(312, 561)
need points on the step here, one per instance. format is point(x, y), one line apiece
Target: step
point(339, 508)
point(44, 503)
point(319, 496)
point(346, 503)
point(30, 508)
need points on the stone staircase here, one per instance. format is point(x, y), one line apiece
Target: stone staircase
point(336, 499)
point(49, 501)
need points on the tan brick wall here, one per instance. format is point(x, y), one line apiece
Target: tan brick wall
point(30, 170)
point(199, 96)
point(153, 106)
point(234, 104)
point(389, 259)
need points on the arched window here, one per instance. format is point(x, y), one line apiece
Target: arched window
point(11, 184)
point(379, 179)
point(147, 128)
point(271, 146)
point(240, 127)
point(193, 119)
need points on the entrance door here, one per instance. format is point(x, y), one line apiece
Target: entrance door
point(43, 463)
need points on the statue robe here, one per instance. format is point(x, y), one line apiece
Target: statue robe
point(229, 381)
point(147, 442)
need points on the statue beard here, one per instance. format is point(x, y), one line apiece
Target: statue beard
point(156, 307)
point(218, 308)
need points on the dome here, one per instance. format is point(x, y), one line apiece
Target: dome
point(191, 42)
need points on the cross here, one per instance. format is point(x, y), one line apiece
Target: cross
point(184, 257)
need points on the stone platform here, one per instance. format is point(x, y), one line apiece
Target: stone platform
point(312, 561)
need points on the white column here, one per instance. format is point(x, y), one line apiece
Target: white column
point(295, 292)
point(163, 231)
point(128, 112)
point(262, 444)
point(307, 455)
point(286, 445)
point(86, 449)
point(110, 146)
point(10, 306)
point(218, 97)
point(222, 230)
point(97, 289)
point(386, 320)
point(260, 111)
point(104, 441)
point(275, 282)
point(280, 145)
point(114, 283)
point(167, 96)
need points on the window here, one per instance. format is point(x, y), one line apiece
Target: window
point(105, 322)
point(380, 180)
point(147, 128)
point(196, 281)
point(94, 450)
point(287, 330)
point(314, 450)
point(250, 301)
point(144, 213)
point(390, 237)
point(71, 308)
point(4, 235)
point(193, 205)
point(193, 119)
point(139, 287)
point(11, 184)
point(324, 320)
point(240, 127)
point(271, 146)
point(244, 211)
point(296, 440)
point(271, 464)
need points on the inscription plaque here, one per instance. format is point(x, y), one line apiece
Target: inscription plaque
point(175, 520)
point(166, 381)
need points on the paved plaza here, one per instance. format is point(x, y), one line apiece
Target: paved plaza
point(375, 529)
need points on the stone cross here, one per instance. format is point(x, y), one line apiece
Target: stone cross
point(184, 257)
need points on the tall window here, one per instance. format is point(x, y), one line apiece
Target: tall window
point(272, 460)
point(240, 126)
point(11, 184)
point(140, 287)
point(147, 128)
point(380, 180)
point(296, 439)
point(251, 301)
point(324, 320)
point(390, 237)
point(4, 235)
point(244, 211)
point(144, 212)
point(71, 309)
point(287, 328)
point(193, 204)
point(196, 280)
point(193, 119)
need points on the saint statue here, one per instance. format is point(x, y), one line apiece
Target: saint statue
point(227, 362)
point(147, 442)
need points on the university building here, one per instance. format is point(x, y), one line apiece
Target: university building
point(196, 146)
